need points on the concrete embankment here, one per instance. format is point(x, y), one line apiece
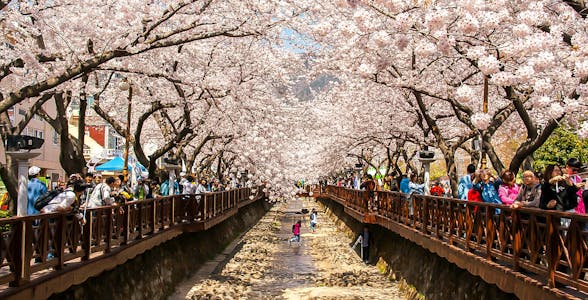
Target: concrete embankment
point(431, 275)
point(155, 273)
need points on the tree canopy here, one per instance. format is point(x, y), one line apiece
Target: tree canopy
point(218, 83)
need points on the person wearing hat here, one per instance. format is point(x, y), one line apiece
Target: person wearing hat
point(35, 188)
point(573, 166)
point(68, 200)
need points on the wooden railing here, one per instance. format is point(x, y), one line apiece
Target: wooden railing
point(551, 245)
point(46, 242)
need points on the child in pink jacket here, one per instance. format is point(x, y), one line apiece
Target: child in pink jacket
point(296, 232)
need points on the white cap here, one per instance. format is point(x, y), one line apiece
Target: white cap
point(34, 170)
point(182, 173)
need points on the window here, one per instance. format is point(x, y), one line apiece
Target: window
point(22, 112)
point(39, 134)
point(11, 114)
point(55, 137)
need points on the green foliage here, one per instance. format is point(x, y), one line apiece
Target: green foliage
point(4, 214)
point(560, 146)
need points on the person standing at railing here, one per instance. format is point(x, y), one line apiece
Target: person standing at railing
point(558, 192)
point(68, 200)
point(466, 182)
point(530, 192)
point(508, 190)
point(188, 185)
point(154, 188)
point(404, 182)
point(573, 166)
point(89, 180)
point(164, 187)
point(437, 189)
point(101, 195)
point(120, 192)
point(414, 187)
point(201, 187)
point(141, 189)
point(35, 188)
point(485, 183)
point(369, 185)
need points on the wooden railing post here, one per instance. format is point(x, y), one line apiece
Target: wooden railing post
point(162, 204)
point(173, 210)
point(139, 224)
point(44, 238)
point(87, 236)
point(126, 223)
point(98, 229)
point(154, 218)
point(516, 239)
point(425, 216)
point(60, 240)
point(553, 248)
point(22, 251)
point(108, 237)
point(490, 232)
point(205, 207)
point(214, 205)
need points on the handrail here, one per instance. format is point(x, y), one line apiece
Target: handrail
point(51, 240)
point(552, 245)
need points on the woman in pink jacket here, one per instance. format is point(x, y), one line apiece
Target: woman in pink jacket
point(508, 190)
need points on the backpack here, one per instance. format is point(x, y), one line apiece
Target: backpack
point(293, 226)
point(44, 199)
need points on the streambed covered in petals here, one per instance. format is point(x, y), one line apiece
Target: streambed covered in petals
point(322, 266)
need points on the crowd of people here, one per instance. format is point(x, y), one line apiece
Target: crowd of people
point(94, 190)
point(556, 188)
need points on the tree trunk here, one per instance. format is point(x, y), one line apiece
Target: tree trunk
point(10, 180)
point(528, 148)
point(452, 173)
point(71, 154)
point(219, 167)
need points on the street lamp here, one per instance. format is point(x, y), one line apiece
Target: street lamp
point(426, 157)
point(125, 85)
point(19, 148)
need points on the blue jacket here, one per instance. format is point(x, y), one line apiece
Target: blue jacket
point(164, 188)
point(404, 185)
point(464, 186)
point(35, 188)
point(489, 193)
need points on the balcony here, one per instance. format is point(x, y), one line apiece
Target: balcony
point(103, 154)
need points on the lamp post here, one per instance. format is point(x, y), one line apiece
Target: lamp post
point(426, 157)
point(483, 159)
point(125, 85)
point(19, 147)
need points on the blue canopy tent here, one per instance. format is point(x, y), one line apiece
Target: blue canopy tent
point(116, 165)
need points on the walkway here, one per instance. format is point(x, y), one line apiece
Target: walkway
point(266, 267)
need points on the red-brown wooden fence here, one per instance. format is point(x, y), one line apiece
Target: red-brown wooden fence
point(549, 245)
point(43, 244)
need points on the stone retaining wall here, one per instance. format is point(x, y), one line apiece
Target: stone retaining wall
point(431, 275)
point(155, 274)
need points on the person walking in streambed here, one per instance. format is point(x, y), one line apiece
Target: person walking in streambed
point(296, 232)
